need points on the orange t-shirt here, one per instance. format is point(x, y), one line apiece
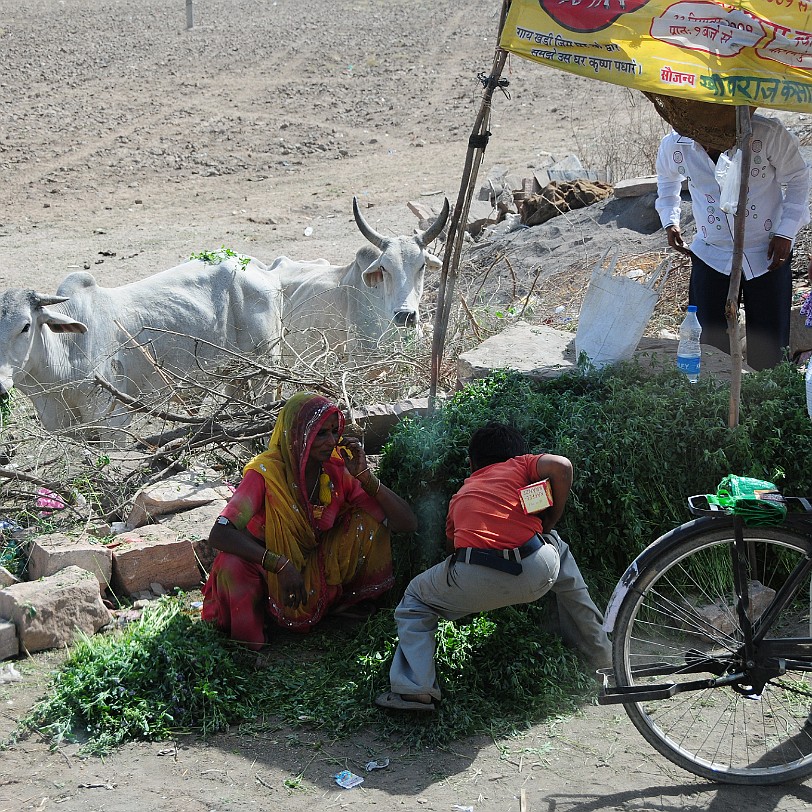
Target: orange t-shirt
point(487, 512)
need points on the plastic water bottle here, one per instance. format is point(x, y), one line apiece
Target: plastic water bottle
point(689, 353)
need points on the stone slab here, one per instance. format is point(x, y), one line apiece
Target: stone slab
point(195, 526)
point(378, 419)
point(154, 553)
point(635, 187)
point(9, 644)
point(539, 351)
point(54, 551)
point(184, 490)
point(47, 613)
point(7, 578)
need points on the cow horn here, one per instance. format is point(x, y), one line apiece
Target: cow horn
point(376, 239)
point(433, 231)
point(45, 299)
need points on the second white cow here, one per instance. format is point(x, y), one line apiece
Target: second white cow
point(53, 347)
point(352, 306)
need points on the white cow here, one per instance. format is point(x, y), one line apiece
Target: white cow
point(52, 347)
point(354, 305)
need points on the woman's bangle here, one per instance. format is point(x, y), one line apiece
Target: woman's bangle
point(371, 482)
point(264, 562)
point(362, 472)
point(286, 562)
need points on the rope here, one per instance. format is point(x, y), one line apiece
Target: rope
point(494, 82)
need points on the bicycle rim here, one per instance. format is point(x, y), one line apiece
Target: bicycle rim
point(682, 610)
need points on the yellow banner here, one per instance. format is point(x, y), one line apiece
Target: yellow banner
point(755, 53)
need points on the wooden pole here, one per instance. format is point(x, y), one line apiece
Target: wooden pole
point(743, 136)
point(477, 143)
point(190, 14)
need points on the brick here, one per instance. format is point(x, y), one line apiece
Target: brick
point(53, 552)
point(153, 554)
point(48, 612)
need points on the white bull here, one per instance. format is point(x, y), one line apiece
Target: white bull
point(52, 347)
point(354, 305)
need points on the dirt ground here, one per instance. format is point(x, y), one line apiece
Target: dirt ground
point(129, 142)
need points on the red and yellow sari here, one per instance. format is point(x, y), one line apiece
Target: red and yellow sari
point(341, 546)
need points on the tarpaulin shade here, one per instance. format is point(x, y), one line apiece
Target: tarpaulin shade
point(755, 53)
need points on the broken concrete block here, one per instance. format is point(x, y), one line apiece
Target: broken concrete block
point(55, 551)
point(153, 554)
point(47, 613)
point(9, 644)
point(185, 490)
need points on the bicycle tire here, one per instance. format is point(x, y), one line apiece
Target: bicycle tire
point(680, 608)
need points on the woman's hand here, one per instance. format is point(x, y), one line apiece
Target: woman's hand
point(291, 585)
point(356, 459)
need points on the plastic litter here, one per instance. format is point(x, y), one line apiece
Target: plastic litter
point(308, 232)
point(380, 764)
point(757, 501)
point(8, 673)
point(348, 780)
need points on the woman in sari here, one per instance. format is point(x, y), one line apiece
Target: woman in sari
point(306, 531)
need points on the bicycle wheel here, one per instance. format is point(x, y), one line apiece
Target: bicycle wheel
point(681, 614)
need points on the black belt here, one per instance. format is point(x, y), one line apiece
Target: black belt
point(504, 560)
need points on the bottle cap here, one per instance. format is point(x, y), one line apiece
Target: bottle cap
point(692, 308)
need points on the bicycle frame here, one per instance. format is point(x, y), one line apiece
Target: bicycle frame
point(758, 660)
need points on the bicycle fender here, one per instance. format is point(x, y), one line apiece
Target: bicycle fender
point(664, 542)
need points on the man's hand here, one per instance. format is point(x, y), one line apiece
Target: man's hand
point(778, 252)
point(675, 239)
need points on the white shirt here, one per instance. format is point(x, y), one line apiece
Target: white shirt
point(775, 161)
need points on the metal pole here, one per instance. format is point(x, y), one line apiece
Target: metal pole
point(190, 14)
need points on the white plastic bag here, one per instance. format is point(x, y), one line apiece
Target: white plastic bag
point(615, 312)
point(728, 175)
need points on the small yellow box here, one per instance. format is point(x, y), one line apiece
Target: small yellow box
point(536, 497)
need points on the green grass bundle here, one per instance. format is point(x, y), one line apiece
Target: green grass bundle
point(640, 444)
point(164, 673)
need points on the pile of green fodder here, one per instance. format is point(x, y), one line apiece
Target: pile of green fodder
point(170, 673)
point(640, 444)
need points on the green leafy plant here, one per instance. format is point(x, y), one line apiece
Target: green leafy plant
point(640, 443)
point(216, 257)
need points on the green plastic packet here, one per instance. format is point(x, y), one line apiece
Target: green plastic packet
point(757, 501)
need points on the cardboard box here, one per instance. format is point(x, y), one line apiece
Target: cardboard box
point(536, 497)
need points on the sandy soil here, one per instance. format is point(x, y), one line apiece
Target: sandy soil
point(129, 142)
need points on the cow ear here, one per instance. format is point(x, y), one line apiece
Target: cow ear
point(433, 263)
point(60, 323)
point(372, 277)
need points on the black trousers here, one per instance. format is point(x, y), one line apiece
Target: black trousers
point(767, 303)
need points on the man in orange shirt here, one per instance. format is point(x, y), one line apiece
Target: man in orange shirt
point(502, 556)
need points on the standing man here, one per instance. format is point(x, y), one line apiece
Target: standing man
point(502, 557)
point(774, 218)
